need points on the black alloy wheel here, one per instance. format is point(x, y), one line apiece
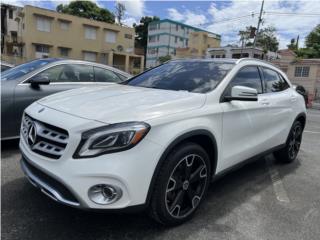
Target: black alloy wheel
point(181, 184)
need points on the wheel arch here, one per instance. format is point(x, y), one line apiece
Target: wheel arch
point(202, 137)
point(302, 118)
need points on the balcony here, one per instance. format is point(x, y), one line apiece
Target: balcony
point(13, 40)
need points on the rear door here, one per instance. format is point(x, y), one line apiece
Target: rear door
point(62, 77)
point(280, 104)
point(244, 122)
point(105, 76)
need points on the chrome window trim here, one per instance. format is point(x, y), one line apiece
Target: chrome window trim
point(24, 82)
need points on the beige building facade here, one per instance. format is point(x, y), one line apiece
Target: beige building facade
point(199, 42)
point(46, 33)
point(305, 72)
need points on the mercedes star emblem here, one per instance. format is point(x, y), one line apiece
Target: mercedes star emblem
point(32, 134)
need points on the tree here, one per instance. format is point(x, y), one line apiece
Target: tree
point(312, 49)
point(292, 45)
point(266, 39)
point(120, 10)
point(86, 9)
point(141, 39)
point(164, 59)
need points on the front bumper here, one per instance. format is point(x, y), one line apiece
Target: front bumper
point(67, 180)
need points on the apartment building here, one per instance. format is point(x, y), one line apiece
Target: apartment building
point(305, 72)
point(11, 30)
point(46, 33)
point(198, 44)
point(166, 36)
point(238, 52)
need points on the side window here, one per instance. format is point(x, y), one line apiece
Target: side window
point(274, 82)
point(247, 77)
point(105, 75)
point(69, 73)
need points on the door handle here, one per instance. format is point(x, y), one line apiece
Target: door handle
point(264, 101)
point(293, 98)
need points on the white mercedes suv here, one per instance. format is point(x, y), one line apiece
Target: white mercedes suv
point(157, 140)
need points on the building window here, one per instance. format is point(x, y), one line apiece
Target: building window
point(10, 14)
point(177, 27)
point(64, 25)
point(181, 39)
point(42, 48)
point(129, 36)
point(90, 33)
point(111, 36)
point(42, 51)
point(152, 27)
point(153, 50)
point(302, 71)
point(90, 56)
point(175, 39)
point(64, 52)
point(158, 38)
point(187, 42)
point(152, 39)
point(43, 24)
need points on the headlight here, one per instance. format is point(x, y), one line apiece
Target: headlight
point(111, 138)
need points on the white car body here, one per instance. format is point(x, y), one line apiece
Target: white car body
point(241, 130)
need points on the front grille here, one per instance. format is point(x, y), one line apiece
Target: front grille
point(44, 139)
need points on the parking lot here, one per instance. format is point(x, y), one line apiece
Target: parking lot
point(263, 200)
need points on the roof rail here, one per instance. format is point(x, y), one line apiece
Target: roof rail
point(255, 59)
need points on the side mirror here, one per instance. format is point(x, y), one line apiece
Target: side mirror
point(39, 80)
point(241, 93)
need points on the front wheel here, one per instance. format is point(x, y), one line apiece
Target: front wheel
point(289, 153)
point(181, 184)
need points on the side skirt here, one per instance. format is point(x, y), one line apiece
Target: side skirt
point(245, 162)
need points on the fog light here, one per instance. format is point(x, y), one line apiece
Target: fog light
point(104, 194)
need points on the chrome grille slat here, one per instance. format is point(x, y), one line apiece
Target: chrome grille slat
point(48, 148)
point(51, 141)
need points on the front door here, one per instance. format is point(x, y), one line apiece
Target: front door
point(244, 121)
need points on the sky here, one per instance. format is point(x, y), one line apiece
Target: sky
point(291, 17)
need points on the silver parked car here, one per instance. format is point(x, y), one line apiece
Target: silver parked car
point(5, 66)
point(26, 83)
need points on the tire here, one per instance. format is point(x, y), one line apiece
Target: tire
point(289, 153)
point(181, 184)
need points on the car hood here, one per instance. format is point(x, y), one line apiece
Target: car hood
point(119, 103)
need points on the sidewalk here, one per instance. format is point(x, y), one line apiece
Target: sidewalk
point(316, 105)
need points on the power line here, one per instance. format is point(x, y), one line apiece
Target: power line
point(299, 14)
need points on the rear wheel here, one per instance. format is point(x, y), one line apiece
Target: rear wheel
point(181, 185)
point(289, 153)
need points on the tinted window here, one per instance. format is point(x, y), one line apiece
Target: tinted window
point(105, 75)
point(247, 77)
point(198, 77)
point(3, 68)
point(69, 73)
point(274, 82)
point(24, 69)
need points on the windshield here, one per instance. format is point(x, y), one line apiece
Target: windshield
point(24, 69)
point(191, 76)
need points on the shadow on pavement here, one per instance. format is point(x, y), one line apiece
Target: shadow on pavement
point(28, 214)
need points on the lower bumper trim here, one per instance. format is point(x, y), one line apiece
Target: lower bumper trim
point(44, 187)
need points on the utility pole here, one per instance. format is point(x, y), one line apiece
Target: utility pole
point(259, 21)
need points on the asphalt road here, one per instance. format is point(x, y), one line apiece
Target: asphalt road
point(263, 200)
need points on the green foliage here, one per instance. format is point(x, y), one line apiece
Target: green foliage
point(312, 49)
point(163, 59)
point(266, 39)
point(293, 45)
point(142, 31)
point(86, 9)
